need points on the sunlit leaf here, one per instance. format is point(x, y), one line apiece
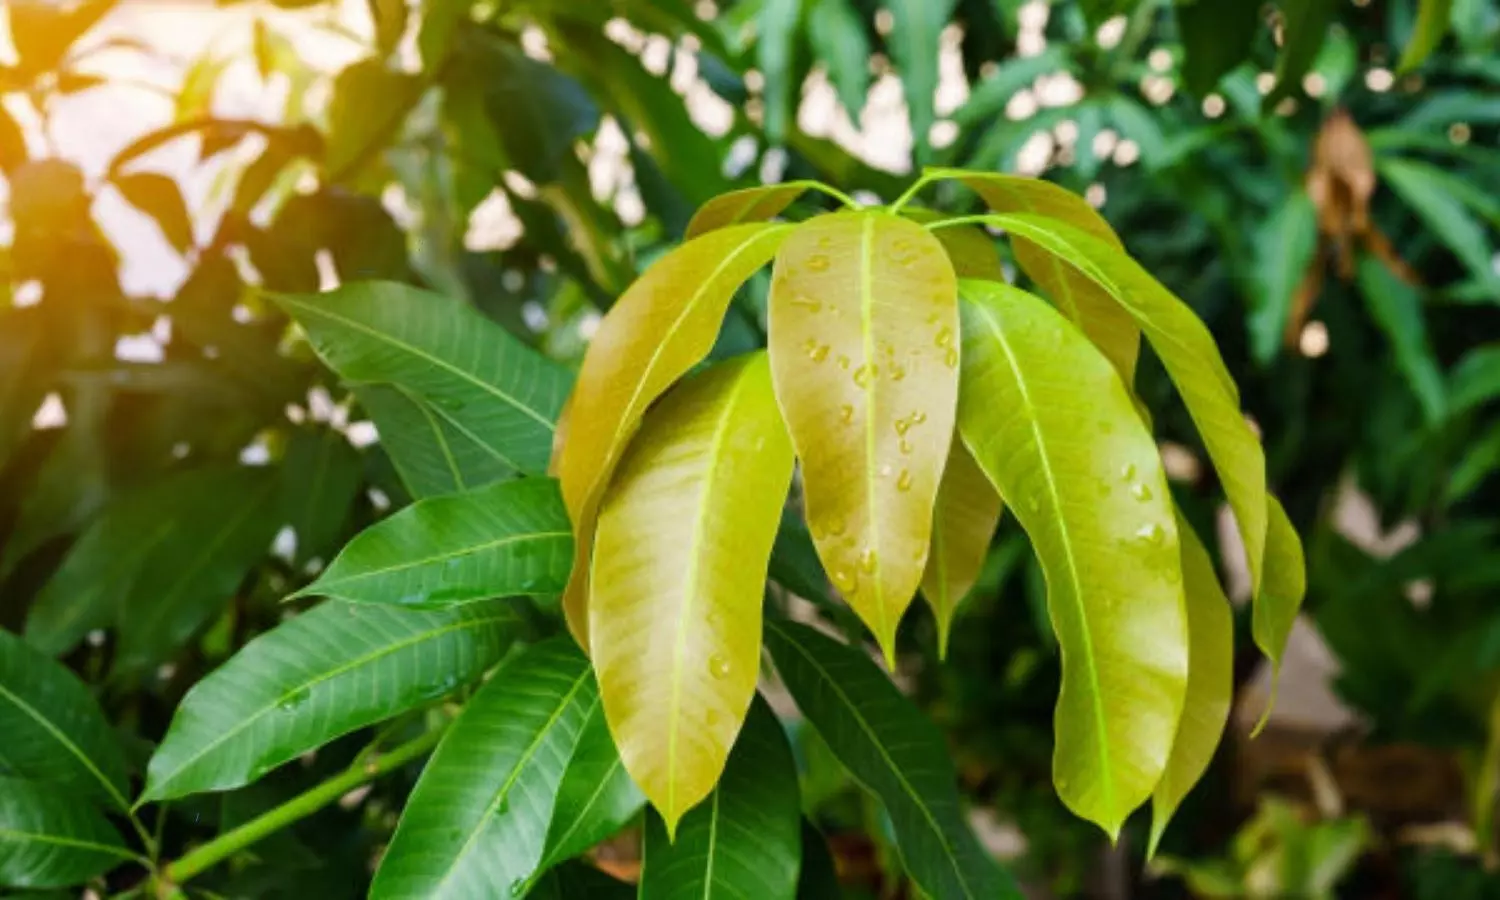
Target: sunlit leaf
point(1432, 23)
point(967, 513)
point(476, 824)
point(678, 576)
point(757, 204)
point(55, 734)
point(864, 350)
point(663, 326)
point(596, 797)
point(745, 839)
point(48, 839)
point(1280, 599)
point(497, 541)
point(972, 251)
point(895, 753)
point(1052, 425)
point(1210, 685)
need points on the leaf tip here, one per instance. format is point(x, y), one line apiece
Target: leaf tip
point(1265, 714)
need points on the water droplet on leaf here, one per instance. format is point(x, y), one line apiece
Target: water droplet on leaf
point(868, 560)
point(903, 481)
point(846, 414)
point(843, 361)
point(718, 666)
point(945, 337)
point(950, 359)
point(818, 262)
point(1140, 491)
point(1127, 471)
point(1151, 533)
point(518, 887)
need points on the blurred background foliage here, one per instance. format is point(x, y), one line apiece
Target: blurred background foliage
point(1319, 179)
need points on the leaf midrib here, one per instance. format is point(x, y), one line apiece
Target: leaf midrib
point(453, 554)
point(58, 735)
point(867, 335)
point(61, 841)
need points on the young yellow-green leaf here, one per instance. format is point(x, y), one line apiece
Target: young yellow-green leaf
point(970, 249)
point(320, 674)
point(1191, 358)
point(968, 510)
point(679, 567)
point(51, 839)
point(663, 326)
point(1090, 307)
point(864, 350)
point(757, 204)
point(476, 824)
point(53, 731)
point(501, 540)
point(745, 841)
point(1052, 425)
point(1275, 607)
point(1210, 686)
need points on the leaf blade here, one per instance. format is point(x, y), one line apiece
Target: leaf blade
point(49, 840)
point(968, 512)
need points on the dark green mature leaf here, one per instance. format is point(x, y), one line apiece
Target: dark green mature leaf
point(1480, 459)
point(497, 541)
point(476, 825)
point(839, 40)
point(818, 879)
point(576, 881)
point(368, 105)
point(1397, 309)
point(320, 476)
point(596, 798)
point(1216, 36)
point(914, 41)
point(25, 372)
point(319, 675)
point(745, 839)
point(895, 752)
point(1305, 28)
point(1435, 199)
point(989, 97)
point(1433, 17)
point(159, 197)
point(1284, 247)
point(48, 839)
point(776, 30)
point(429, 452)
point(223, 520)
point(1475, 380)
point(472, 374)
point(54, 733)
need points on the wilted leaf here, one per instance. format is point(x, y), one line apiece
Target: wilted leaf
point(1052, 425)
point(864, 351)
point(678, 575)
point(967, 513)
point(48, 839)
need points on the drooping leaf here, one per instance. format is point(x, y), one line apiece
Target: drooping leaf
point(895, 753)
point(1429, 192)
point(1049, 421)
point(839, 40)
point(776, 30)
point(864, 351)
point(48, 839)
point(1433, 17)
point(1086, 303)
point(500, 540)
point(1305, 28)
point(319, 675)
point(430, 453)
point(663, 326)
point(365, 112)
point(915, 39)
point(757, 204)
point(159, 197)
point(1285, 245)
point(1210, 685)
point(473, 376)
point(1216, 36)
point(596, 797)
point(678, 575)
point(1397, 309)
point(476, 824)
point(320, 476)
point(1280, 599)
point(1191, 358)
point(55, 734)
point(967, 513)
point(745, 839)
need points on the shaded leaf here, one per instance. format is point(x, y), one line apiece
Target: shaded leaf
point(1397, 309)
point(864, 353)
point(1432, 23)
point(320, 476)
point(840, 41)
point(596, 797)
point(678, 576)
point(1305, 28)
point(895, 753)
point(1051, 424)
point(159, 197)
point(321, 674)
point(25, 375)
point(818, 880)
point(967, 513)
point(989, 97)
point(576, 881)
point(365, 112)
point(496, 541)
point(914, 43)
point(50, 840)
point(1216, 37)
point(1475, 380)
point(777, 27)
point(1284, 249)
point(1430, 194)
point(476, 824)
point(430, 453)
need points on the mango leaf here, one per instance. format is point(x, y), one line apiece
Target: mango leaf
point(368, 105)
point(26, 373)
point(1481, 457)
point(596, 798)
point(1397, 309)
point(988, 98)
point(664, 325)
point(1475, 380)
point(777, 27)
point(972, 251)
point(476, 824)
point(678, 577)
point(1191, 358)
point(1086, 303)
point(840, 41)
point(576, 881)
point(1049, 421)
point(1276, 606)
point(473, 376)
point(895, 753)
point(746, 840)
point(55, 734)
point(967, 513)
point(914, 42)
point(1305, 28)
point(12, 142)
point(497, 541)
point(1210, 685)
point(1284, 248)
point(818, 879)
point(757, 204)
point(1430, 194)
point(431, 455)
point(320, 475)
point(159, 197)
point(324, 673)
point(864, 351)
point(1216, 36)
point(1433, 17)
point(48, 839)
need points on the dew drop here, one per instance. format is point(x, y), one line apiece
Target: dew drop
point(868, 560)
point(904, 446)
point(945, 337)
point(902, 426)
point(918, 417)
point(934, 318)
point(836, 526)
point(903, 481)
point(715, 618)
point(818, 262)
point(901, 245)
point(843, 361)
point(1106, 427)
point(1105, 488)
point(898, 372)
point(818, 531)
point(819, 353)
point(885, 471)
point(1034, 504)
point(1127, 471)
point(807, 303)
point(825, 242)
point(846, 413)
point(295, 699)
point(845, 580)
point(503, 806)
point(1151, 533)
point(950, 359)
point(718, 666)
point(863, 374)
point(518, 887)
point(1140, 491)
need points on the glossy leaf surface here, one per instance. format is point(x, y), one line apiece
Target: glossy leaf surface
point(596, 798)
point(756, 204)
point(864, 350)
point(476, 824)
point(679, 570)
point(430, 454)
point(967, 513)
point(1051, 424)
point(1276, 607)
point(895, 752)
point(745, 840)
point(500, 540)
point(319, 675)
point(49, 839)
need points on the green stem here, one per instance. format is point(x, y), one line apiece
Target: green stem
point(836, 194)
point(295, 809)
point(977, 219)
point(925, 179)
